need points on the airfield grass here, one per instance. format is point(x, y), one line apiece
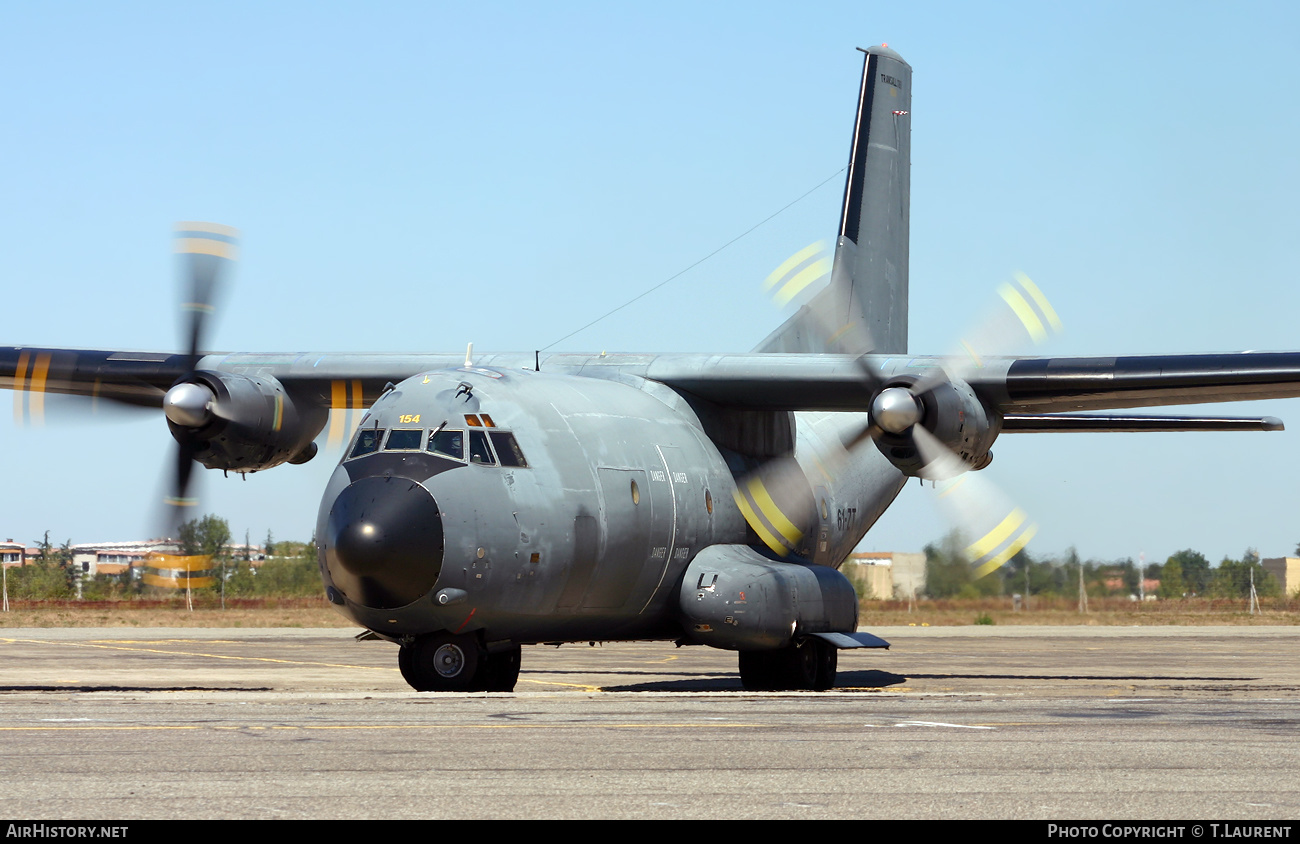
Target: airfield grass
point(316, 612)
point(1115, 612)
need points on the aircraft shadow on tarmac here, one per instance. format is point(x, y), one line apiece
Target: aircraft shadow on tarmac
point(874, 679)
point(731, 683)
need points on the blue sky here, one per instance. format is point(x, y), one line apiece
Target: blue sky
point(414, 177)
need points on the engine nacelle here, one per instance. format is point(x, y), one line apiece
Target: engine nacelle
point(952, 412)
point(242, 423)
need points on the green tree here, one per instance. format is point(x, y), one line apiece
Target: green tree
point(1195, 570)
point(1172, 584)
point(48, 577)
point(209, 536)
point(1232, 579)
point(948, 573)
point(1027, 576)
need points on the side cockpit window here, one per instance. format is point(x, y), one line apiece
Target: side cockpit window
point(367, 442)
point(508, 449)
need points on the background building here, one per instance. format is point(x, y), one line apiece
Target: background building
point(886, 574)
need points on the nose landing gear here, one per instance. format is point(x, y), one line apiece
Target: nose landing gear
point(446, 662)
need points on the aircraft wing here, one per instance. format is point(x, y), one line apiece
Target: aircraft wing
point(1011, 386)
point(1024, 389)
point(142, 378)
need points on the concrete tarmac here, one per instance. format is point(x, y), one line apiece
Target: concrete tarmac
point(1044, 723)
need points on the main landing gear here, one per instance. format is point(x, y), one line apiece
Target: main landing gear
point(446, 662)
point(806, 665)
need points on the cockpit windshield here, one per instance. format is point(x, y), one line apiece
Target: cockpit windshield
point(448, 444)
point(404, 439)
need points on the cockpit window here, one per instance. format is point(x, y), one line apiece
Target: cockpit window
point(479, 451)
point(367, 441)
point(448, 444)
point(404, 439)
point(508, 449)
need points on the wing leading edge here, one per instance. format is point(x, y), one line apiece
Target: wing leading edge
point(1026, 391)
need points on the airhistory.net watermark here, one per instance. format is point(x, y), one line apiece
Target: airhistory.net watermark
point(42, 830)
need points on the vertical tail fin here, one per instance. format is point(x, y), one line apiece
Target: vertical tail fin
point(864, 308)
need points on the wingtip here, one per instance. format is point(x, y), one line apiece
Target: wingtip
point(1272, 423)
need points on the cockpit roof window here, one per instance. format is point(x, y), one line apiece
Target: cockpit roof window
point(448, 444)
point(367, 442)
point(404, 439)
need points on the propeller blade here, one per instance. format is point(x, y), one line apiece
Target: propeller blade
point(179, 506)
point(1022, 318)
point(777, 502)
point(44, 390)
point(776, 499)
point(830, 310)
point(208, 250)
point(347, 406)
point(975, 505)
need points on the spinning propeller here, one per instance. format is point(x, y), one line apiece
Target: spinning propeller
point(930, 425)
point(207, 252)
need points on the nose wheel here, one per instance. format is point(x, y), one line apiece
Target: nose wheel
point(446, 662)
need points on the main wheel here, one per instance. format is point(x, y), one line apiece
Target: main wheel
point(441, 662)
point(828, 657)
point(758, 673)
point(802, 662)
point(808, 665)
point(500, 670)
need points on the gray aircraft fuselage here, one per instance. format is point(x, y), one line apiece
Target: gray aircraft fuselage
point(619, 489)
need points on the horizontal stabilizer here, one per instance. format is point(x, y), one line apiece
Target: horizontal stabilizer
point(1082, 423)
point(844, 641)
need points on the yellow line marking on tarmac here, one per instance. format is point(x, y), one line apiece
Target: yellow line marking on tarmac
point(196, 653)
point(238, 727)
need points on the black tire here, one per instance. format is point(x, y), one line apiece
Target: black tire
point(802, 662)
point(500, 670)
point(809, 665)
point(828, 658)
point(756, 670)
point(441, 662)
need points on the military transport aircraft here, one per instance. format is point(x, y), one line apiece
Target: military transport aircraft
point(489, 502)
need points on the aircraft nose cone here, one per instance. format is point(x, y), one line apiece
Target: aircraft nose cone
point(384, 542)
